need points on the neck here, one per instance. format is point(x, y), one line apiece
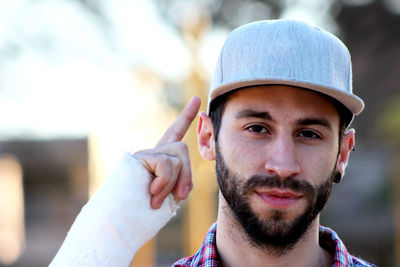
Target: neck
point(234, 249)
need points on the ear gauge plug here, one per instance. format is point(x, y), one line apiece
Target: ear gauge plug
point(337, 178)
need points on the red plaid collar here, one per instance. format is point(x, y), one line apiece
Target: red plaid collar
point(207, 255)
point(331, 242)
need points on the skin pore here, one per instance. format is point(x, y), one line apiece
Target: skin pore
point(274, 140)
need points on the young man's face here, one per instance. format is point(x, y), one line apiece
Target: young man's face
point(277, 151)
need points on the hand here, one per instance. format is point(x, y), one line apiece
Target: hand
point(169, 160)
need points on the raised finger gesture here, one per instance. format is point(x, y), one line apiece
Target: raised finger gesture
point(169, 160)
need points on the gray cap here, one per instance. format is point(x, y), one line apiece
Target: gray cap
point(285, 52)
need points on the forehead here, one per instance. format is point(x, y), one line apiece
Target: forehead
point(282, 100)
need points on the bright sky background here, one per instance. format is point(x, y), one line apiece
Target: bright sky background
point(72, 75)
point(82, 77)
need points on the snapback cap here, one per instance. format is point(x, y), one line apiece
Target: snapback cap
point(285, 52)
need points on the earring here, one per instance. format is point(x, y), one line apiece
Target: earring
point(337, 177)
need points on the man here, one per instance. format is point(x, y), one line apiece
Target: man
point(279, 107)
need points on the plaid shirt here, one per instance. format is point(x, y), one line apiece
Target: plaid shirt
point(207, 255)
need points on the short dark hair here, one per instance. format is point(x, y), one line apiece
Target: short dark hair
point(217, 107)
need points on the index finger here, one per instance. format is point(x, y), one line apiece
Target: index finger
point(180, 126)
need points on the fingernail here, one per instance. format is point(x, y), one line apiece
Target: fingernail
point(185, 191)
point(157, 204)
point(155, 189)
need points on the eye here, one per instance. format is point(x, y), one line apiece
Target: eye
point(309, 134)
point(257, 128)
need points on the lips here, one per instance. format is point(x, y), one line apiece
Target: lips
point(278, 198)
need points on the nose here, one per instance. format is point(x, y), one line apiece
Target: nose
point(282, 159)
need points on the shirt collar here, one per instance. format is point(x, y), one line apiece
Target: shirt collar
point(207, 255)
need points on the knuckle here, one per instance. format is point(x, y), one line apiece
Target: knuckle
point(175, 133)
point(179, 135)
point(178, 163)
point(164, 159)
point(182, 147)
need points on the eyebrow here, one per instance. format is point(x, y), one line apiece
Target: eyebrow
point(265, 115)
point(314, 121)
point(249, 113)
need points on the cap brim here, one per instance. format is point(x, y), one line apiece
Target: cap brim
point(351, 101)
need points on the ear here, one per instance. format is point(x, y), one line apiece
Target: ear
point(346, 146)
point(205, 137)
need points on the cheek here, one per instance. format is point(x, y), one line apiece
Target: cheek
point(318, 164)
point(246, 158)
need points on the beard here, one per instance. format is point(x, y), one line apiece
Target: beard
point(274, 234)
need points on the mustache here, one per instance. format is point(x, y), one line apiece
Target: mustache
point(275, 181)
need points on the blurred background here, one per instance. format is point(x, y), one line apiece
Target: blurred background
point(82, 81)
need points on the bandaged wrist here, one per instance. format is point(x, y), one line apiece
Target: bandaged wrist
point(117, 221)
